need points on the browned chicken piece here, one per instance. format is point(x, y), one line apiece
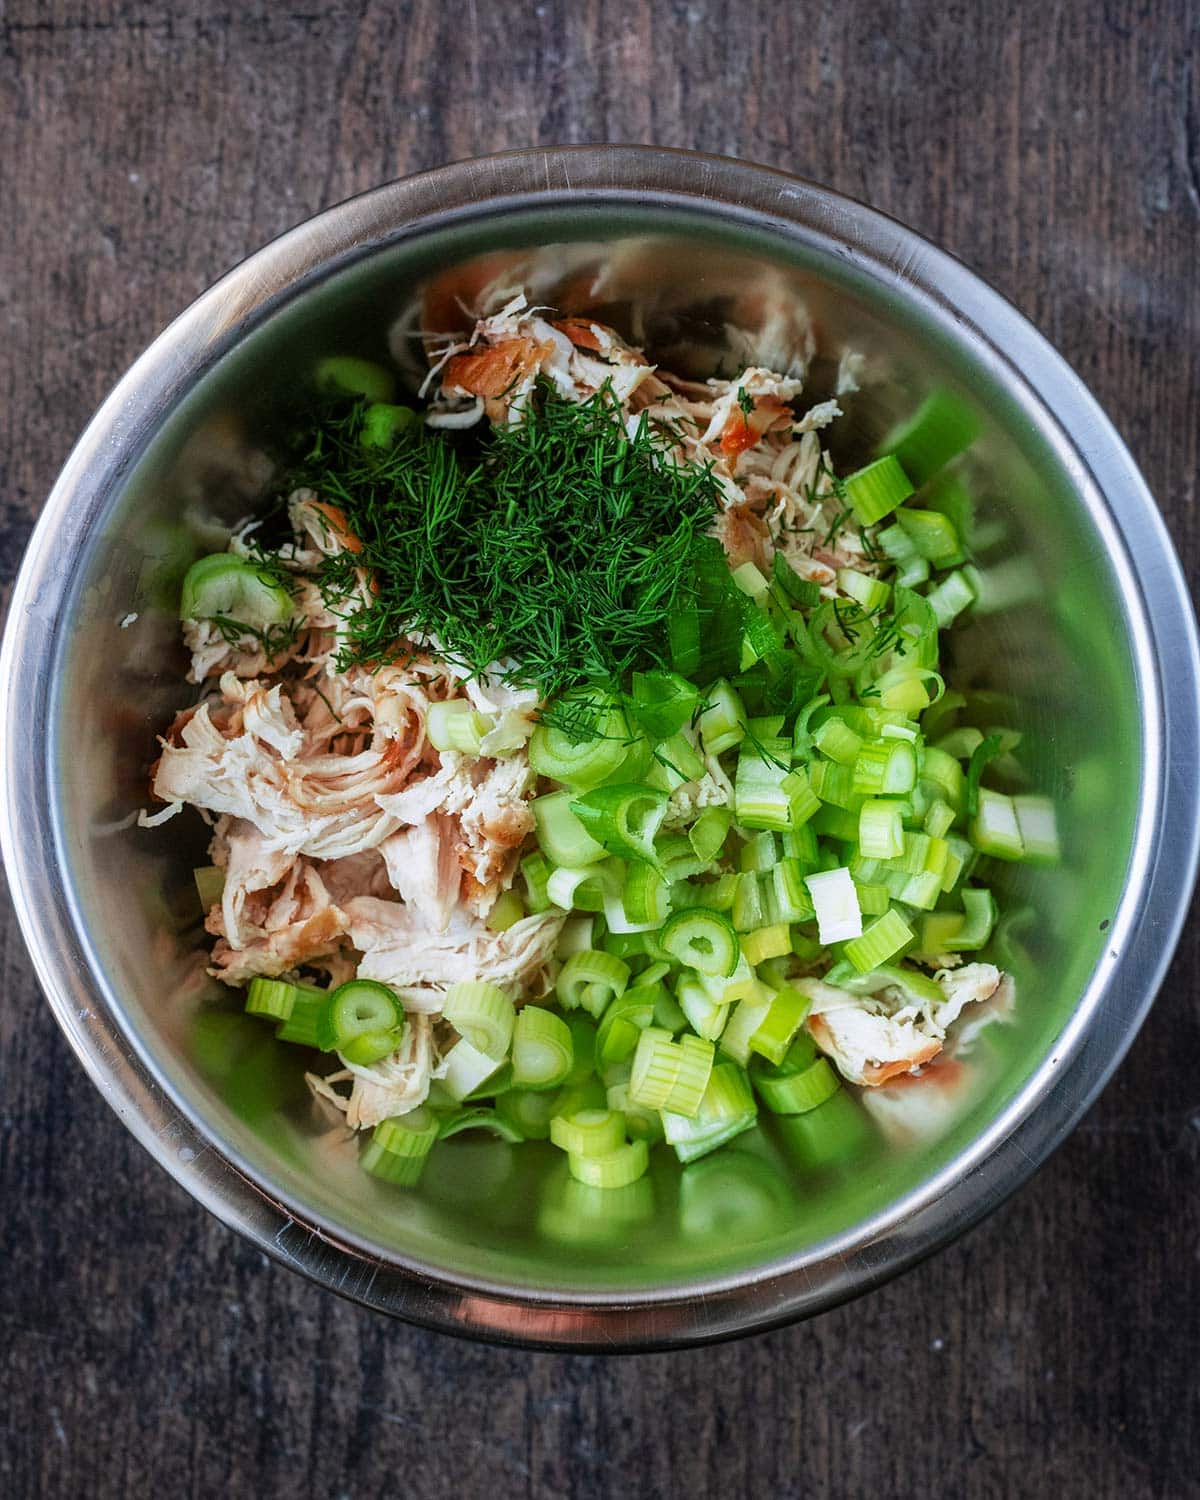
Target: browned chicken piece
point(298, 924)
point(492, 369)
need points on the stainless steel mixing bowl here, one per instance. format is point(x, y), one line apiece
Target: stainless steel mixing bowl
point(1085, 639)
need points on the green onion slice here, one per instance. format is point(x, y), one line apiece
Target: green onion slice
point(796, 1093)
point(692, 1074)
point(986, 750)
point(274, 998)
point(411, 1134)
point(877, 490)
point(801, 591)
point(591, 979)
point(542, 1051)
point(766, 942)
point(674, 761)
point(645, 897)
point(303, 1024)
point(590, 1132)
point(709, 832)
point(615, 1170)
point(933, 536)
point(361, 1020)
point(391, 1166)
point(777, 1030)
point(705, 1014)
point(703, 940)
point(227, 587)
point(882, 940)
point(655, 1068)
point(507, 912)
point(624, 819)
point(455, 725)
point(722, 719)
point(881, 828)
point(535, 871)
point(482, 1013)
point(467, 1069)
point(995, 828)
point(726, 1109)
point(624, 1021)
point(942, 426)
point(561, 836)
point(582, 739)
point(748, 1015)
point(662, 703)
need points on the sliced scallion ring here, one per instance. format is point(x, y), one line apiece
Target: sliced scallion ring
point(703, 940)
point(616, 1169)
point(590, 1132)
point(483, 1014)
point(583, 740)
point(591, 979)
point(227, 587)
point(360, 1020)
point(542, 1051)
point(624, 819)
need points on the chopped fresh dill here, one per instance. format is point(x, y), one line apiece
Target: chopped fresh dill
point(579, 719)
point(664, 760)
point(267, 563)
point(561, 544)
point(763, 753)
point(333, 711)
point(838, 522)
point(271, 640)
point(850, 619)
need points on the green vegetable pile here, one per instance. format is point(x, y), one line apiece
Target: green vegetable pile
point(851, 845)
point(562, 543)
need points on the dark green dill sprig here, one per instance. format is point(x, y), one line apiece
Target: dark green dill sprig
point(824, 471)
point(838, 522)
point(850, 618)
point(563, 542)
point(870, 551)
point(579, 717)
point(268, 563)
point(763, 753)
point(271, 640)
point(884, 639)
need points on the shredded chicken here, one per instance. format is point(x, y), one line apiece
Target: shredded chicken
point(777, 487)
point(292, 924)
point(914, 1107)
point(394, 1086)
point(872, 1038)
point(324, 787)
point(350, 845)
point(712, 789)
point(247, 755)
point(401, 949)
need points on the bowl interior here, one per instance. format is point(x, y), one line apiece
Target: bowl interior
point(1047, 653)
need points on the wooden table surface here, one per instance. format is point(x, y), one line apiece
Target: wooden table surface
point(147, 1351)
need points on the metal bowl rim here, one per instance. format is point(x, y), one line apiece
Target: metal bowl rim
point(1163, 642)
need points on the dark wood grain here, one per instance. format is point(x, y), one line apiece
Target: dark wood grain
point(150, 1352)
